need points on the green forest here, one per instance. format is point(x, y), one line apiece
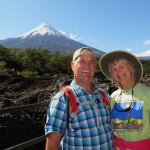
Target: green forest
point(30, 61)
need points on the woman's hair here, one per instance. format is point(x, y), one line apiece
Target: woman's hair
point(131, 66)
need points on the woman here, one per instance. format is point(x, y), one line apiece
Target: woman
point(130, 104)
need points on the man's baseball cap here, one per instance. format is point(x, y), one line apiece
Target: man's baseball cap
point(80, 52)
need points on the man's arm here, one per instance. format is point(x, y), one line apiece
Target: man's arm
point(53, 141)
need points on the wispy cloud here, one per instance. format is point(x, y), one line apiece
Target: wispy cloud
point(129, 50)
point(94, 41)
point(62, 32)
point(147, 42)
point(74, 37)
point(146, 53)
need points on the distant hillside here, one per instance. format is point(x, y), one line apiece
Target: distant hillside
point(144, 58)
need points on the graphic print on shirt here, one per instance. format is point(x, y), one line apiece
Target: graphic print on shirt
point(127, 116)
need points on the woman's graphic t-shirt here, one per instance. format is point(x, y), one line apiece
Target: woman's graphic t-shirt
point(127, 116)
point(130, 115)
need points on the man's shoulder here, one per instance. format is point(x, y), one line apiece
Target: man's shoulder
point(60, 93)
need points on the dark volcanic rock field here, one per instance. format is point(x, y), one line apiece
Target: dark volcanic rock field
point(15, 90)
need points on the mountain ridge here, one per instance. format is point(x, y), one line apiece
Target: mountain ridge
point(46, 37)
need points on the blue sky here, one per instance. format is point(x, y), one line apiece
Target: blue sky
point(103, 24)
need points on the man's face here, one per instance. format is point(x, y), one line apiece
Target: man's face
point(83, 68)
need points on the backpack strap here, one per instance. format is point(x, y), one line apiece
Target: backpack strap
point(68, 111)
point(71, 103)
point(105, 98)
point(72, 100)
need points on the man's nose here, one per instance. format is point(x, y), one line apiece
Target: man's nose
point(87, 64)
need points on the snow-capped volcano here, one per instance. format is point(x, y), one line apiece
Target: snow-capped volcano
point(41, 30)
point(46, 37)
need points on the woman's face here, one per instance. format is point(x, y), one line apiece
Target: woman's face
point(121, 71)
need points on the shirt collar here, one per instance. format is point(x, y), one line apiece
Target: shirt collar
point(79, 88)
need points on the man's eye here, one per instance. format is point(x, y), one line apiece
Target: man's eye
point(81, 62)
point(92, 62)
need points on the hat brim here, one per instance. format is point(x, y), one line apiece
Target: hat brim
point(108, 57)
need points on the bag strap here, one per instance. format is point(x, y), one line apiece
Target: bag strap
point(71, 103)
point(72, 99)
point(68, 110)
point(105, 98)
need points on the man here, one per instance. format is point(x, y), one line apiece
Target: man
point(90, 127)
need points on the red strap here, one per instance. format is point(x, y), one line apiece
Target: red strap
point(72, 99)
point(73, 102)
point(104, 97)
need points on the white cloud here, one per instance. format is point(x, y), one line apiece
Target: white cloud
point(147, 42)
point(62, 32)
point(146, 53)
point(74, 37)
point(129, 50)
point(94, 41)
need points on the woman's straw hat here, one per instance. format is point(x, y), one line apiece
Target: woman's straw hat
point(109, 57)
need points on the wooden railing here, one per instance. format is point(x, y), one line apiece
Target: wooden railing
point(31, 142)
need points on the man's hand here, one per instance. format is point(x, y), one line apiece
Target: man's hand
point(53, 141)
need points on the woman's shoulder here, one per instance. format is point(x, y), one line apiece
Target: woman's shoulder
point(143, 87)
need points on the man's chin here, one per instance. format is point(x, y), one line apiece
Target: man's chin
point(86, 79)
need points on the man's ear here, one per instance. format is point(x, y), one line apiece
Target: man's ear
point(72, 64)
